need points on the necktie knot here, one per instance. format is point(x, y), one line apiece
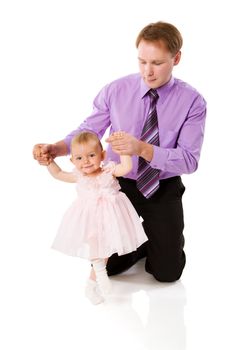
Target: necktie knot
point(153, 94)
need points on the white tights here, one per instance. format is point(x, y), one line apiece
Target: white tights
point(102, 279)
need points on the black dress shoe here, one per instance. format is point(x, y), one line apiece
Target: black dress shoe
point(117, 264)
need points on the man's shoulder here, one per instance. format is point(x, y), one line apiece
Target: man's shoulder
point(130, 79)
point(186, 92)
point(185, 87)
point(123, 86)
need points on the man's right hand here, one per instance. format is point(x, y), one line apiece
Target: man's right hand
point(44, 153)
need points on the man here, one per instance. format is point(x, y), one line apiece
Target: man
point(163, 122)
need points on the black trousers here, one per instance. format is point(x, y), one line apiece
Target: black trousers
point(163, 223)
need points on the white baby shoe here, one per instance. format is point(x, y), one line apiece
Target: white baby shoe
point(92, 292)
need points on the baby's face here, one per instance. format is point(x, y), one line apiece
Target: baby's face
point(87, 157)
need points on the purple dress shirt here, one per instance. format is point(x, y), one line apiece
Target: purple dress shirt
point(124, 105)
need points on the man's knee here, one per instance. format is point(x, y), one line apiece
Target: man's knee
point(167, 276)
point(168, 271)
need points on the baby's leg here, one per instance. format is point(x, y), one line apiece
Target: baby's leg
point(103, 281)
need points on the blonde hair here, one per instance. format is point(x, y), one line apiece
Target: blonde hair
point(85, 137)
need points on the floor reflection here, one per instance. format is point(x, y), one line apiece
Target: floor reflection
point(154, 311)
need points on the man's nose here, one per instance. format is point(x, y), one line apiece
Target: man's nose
point(148, 70)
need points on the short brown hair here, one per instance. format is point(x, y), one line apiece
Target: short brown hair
point(162, 31)
point(85, 137)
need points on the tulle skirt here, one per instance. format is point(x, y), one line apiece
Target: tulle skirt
point(97, 227)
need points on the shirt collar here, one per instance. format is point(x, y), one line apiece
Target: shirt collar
point(163, 90)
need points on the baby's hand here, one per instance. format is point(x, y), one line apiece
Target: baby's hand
point(44, 153)
point(117, 135)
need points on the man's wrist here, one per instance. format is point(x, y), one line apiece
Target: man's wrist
point(61, 148)
point(146, 151)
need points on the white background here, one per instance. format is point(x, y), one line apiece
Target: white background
point(54, 58)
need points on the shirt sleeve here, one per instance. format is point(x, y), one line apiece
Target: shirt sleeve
point(184, 156)
point(97, 122)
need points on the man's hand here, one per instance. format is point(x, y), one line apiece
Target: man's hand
point(124, 144)
point(44, 153)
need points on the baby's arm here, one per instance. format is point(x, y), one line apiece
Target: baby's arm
point(59, 174)
point(124, 166)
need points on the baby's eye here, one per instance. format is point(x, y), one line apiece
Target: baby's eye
point(78, 158)
point(92, 155)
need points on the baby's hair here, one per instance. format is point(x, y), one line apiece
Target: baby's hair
point(85, 137)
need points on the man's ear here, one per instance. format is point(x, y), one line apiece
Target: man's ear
point(177, 58)
point(103, 155)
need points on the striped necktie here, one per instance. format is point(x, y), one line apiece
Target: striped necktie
point(148, 178)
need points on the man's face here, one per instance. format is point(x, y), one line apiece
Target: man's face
point(156, 63)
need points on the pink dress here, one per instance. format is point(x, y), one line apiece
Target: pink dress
point(101, 221)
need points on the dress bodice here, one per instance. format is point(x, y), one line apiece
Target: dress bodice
point(103, 184)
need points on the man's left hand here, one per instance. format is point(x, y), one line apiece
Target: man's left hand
point(124, 144)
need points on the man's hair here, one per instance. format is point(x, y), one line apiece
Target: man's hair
point(84, 137)
point(162, 31)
